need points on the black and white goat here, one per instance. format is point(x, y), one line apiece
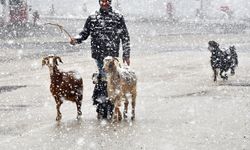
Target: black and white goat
point(222, 61)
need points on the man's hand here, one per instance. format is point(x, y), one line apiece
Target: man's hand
point(72, 41)
point(127, 60)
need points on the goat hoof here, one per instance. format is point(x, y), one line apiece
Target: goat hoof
point(99, 116)
point(114, 121)
point(58, 118)
point(109, 117)
point(79, 117)
point(117, 119)
point(225, 78)
point(125, 115)
point(79, 113)
point(120, 118)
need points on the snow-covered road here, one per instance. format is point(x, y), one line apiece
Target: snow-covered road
point(178, 105)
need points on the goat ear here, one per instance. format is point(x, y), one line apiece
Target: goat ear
point(43, 62)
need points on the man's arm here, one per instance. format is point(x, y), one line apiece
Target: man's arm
point(125, 41)
point(83, 34)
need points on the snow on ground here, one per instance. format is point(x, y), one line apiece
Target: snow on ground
point(179, 107)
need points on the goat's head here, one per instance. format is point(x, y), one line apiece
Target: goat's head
point(110, 63)
point(51, 61)
point(212, 45)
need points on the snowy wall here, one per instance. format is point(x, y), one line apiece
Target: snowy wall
point(62, 7)
point(241, 8)
point(1, 9)
point(146, 8)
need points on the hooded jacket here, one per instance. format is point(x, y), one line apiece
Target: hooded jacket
point(107, 29)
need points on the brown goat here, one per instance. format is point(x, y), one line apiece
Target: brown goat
point(64, 85)
point(121, 84)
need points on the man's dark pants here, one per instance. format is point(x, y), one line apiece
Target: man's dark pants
point(100, 94)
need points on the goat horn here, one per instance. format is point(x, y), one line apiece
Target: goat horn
point(58, 58)
point(116, 59)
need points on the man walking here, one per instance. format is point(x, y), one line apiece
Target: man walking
point(107, 29)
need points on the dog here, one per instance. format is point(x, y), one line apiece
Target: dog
point(222, 61)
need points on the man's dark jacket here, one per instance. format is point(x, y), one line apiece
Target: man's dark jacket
point(107, 29)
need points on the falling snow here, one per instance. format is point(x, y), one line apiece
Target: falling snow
point(179, 107)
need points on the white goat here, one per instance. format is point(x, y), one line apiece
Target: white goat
point(121, 84)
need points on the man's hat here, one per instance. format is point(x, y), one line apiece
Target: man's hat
point(108, 0)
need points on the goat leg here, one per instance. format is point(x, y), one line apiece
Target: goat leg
point(79, 112)
point(117, 115)
point(215, 75)
point(224, 77)
point(99, 116)
point(133, 108)
point(58, 105)
point(125, 112)
point(232, 71)
point(221, 74)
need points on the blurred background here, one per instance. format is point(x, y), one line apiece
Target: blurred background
point(24, 20)
point(179, 10)
point(179, 105)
